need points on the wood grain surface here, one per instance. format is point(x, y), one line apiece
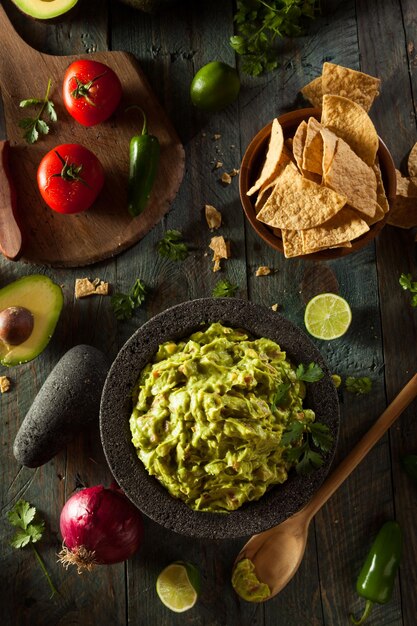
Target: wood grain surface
point(106, 228)
point(377, 37)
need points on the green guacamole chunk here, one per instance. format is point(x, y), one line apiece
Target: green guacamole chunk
point(209, 413)
point(246, 583)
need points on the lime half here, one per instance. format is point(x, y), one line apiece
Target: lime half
point(178, 586)
point(327, 316)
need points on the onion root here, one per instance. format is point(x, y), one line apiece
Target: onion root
point(83, 559)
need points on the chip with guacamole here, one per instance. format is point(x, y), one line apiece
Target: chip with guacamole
point(209, 414)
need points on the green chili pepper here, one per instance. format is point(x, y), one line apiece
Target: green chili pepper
point(144, 160)
point(376, 579)
point(409, 463)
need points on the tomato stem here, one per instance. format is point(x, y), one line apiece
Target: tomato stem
point(82, 89)
point(70, 171)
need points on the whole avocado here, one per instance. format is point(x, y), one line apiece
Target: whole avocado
point(68, 401)
point(149, 6)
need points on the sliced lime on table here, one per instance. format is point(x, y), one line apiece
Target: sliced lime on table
point(178, 586)
point(327, 316)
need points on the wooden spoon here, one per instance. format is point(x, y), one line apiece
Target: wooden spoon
point(278, 552)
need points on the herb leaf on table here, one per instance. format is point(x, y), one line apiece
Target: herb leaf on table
point(259, 23)
point(34, 126)
point(29, 530)
point(408, 284)
point(172, 246)
point(224, 289)
point(124, 304)
point(358, 386)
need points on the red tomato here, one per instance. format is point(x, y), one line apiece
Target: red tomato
point(91, 91)
point(70, 177)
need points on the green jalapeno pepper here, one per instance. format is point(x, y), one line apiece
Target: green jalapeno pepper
point(377, 576)
point(144, 160)
point(409, 463)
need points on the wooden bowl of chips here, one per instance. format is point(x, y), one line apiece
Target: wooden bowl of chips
point(254, 205)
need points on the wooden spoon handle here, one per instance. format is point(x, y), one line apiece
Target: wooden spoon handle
point(388, 417)
point(10, 234)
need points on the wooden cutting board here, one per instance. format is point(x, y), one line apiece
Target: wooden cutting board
point(106, 228)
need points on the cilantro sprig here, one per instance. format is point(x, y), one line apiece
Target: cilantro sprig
point(224, 289)
point(29, 530)
point(310, 374)
point(299, 437)
point(33, 126)
point(124, 304)
point(172, 246)
point(408, 284)
point(260, 23)
point(359, 385)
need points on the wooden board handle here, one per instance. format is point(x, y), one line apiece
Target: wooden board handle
point(11, 42)
point(10, 234)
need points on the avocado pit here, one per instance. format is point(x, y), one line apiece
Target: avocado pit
point(16, 325)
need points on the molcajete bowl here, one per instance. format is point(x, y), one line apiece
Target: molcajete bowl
point(251, 166)
point(144, 490)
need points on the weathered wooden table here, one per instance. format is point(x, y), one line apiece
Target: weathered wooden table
point(377, 37)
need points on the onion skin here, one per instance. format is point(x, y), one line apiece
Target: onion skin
point(101, 523)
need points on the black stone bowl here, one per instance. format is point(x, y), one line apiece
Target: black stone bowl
point(116, 406)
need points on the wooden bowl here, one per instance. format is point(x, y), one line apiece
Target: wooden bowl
point(251, 166)
point(145, 491)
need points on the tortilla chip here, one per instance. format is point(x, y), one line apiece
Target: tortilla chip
point(349, 121)
point(412, 162)
point(213, 216)
point(403, 210)
point(313, 92)
point(221, 250)
point(351, 177)
point(357, 86)
point(329, 147)
point(313, 148)
point(344, 226)
point(263, 195)
point(272, 159)
point(298, 203)
point(292, 243)
point(381, 197)
point(379, 215)
point(298, 143)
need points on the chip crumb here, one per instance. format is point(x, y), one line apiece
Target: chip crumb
point(203, 134)
point(274, 307)
point(216, 136)
point(221, 249)
point(217, 165)
point(226, 178)
point(213, 216)
point(234, 172)
point(85, 287)
point(263, 270)
point(5, 384)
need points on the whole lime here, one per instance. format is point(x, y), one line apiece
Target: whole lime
point(215, 86)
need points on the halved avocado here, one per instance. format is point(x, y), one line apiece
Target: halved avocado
point(41, 298)
point(45, 9)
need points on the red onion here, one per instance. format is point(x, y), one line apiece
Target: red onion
point(99, 526)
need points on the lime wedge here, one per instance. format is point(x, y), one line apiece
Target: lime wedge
point(178, 586)
point(327, 316)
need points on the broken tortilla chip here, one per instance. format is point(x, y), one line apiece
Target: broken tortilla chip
point(292, 243)
point(350, 121)
point(273, 158)
point(403, 211)
point(357, 86)
point(221, 250)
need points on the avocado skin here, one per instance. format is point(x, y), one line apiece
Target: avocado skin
point(67, 402)
point(149, 6)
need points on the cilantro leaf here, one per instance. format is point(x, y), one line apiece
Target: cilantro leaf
point(124, 304)
point(29, 531)
point(293, 433)
point(309, 461)
point(33, 126)
point(312, 374)
point(224, 289)
point(260, 23)
point(21, 514)
point(358, 385)
point(321, 435)
point(280, 395)
point(408, 284)
point(172, 246)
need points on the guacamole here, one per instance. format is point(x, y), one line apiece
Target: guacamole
point(207, 419)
